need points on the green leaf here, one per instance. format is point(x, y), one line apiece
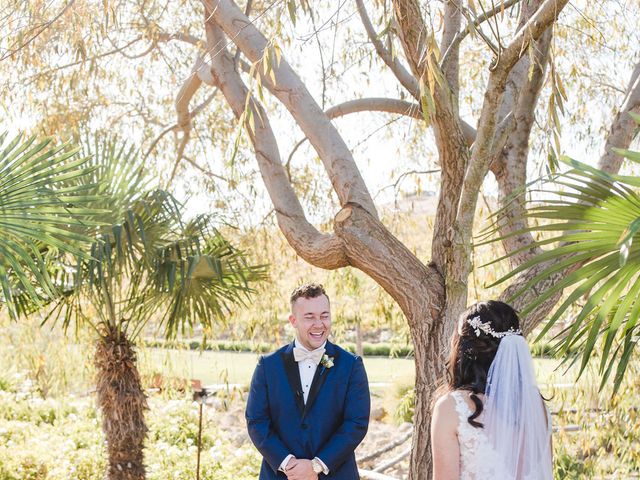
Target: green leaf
point(291, 6)
point(589, 224)
point(626, 240)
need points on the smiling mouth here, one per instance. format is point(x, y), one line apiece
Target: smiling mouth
point(316, 335)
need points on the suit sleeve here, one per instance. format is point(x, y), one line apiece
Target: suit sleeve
point(355, 420)
point(259, 423)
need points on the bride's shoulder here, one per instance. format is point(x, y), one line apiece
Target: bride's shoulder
point(445, 403)
point(444, 414)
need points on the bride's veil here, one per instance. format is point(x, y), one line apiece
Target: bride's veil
point(516, 420)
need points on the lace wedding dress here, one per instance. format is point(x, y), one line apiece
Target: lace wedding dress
point(478, 460)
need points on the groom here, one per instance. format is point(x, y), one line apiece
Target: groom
point(308, 405)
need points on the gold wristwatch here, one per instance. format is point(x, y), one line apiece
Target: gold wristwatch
point(317, 467)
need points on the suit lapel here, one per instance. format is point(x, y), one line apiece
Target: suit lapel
point(293, 375)
point(319, 378)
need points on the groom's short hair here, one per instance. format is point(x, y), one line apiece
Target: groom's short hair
point(308, 290)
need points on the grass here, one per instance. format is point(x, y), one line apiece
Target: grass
point(237, 368)
point(60, 438)
point(213, 367)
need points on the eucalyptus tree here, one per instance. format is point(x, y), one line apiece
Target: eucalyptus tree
point(146, 263)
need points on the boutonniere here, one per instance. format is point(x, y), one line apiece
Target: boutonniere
point(326, 362)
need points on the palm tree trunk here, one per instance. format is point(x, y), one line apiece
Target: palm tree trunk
point(123, 402)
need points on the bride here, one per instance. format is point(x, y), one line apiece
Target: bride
point(490, 421)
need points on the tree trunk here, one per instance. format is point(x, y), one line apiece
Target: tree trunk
point(431, 296)
point(431, 348)
point(123, 402)
point(420, 292)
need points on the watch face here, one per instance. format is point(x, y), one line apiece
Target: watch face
point(317, 468)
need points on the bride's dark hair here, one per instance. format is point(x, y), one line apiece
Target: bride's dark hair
point(471, 354)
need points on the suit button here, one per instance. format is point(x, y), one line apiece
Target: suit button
point(305, 426)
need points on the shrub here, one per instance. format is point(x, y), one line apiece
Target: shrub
point(369, 349)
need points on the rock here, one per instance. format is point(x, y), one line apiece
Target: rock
point(378, 413)
point(406, 426)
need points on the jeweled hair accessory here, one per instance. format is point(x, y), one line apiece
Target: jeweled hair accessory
point(478, 325)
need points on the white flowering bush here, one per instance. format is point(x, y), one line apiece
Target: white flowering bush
point(61, 439)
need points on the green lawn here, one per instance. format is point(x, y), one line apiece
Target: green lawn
point(231, 367)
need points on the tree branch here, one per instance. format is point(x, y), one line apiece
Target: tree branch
point(321, 250)
point(462, 226)
point(391, 105)
point(450, 66)
point(402, 74)
point(183, 37)
point(445, 118)
point(623, 126)
point(529, 32)
point(46, 25)
point(388, 105)
point(481, 154)
point(402, 176)
point(35, 76)
point(173, 127)
point(291, 91)
point(509, 162)
point(473, 25)
point(380, 105)
point(207, 172)
point(201, 73)
point(368, 243)
point(361, 240)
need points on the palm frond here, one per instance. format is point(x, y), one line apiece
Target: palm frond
point(591, 228)
point(39, 211)
point(146, 261)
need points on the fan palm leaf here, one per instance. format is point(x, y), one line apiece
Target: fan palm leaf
point(45, 206)
point(592, 223)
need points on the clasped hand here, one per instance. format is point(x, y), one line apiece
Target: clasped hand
point(300, 469)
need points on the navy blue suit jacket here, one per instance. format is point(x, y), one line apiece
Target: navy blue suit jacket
point(331, 424)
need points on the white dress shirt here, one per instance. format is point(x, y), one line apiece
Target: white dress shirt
point(307, 369)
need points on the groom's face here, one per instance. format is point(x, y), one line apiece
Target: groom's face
point(311, 317)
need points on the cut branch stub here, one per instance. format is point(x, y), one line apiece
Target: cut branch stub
point(418, 288)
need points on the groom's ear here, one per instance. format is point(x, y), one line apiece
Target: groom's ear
point(292, 319)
